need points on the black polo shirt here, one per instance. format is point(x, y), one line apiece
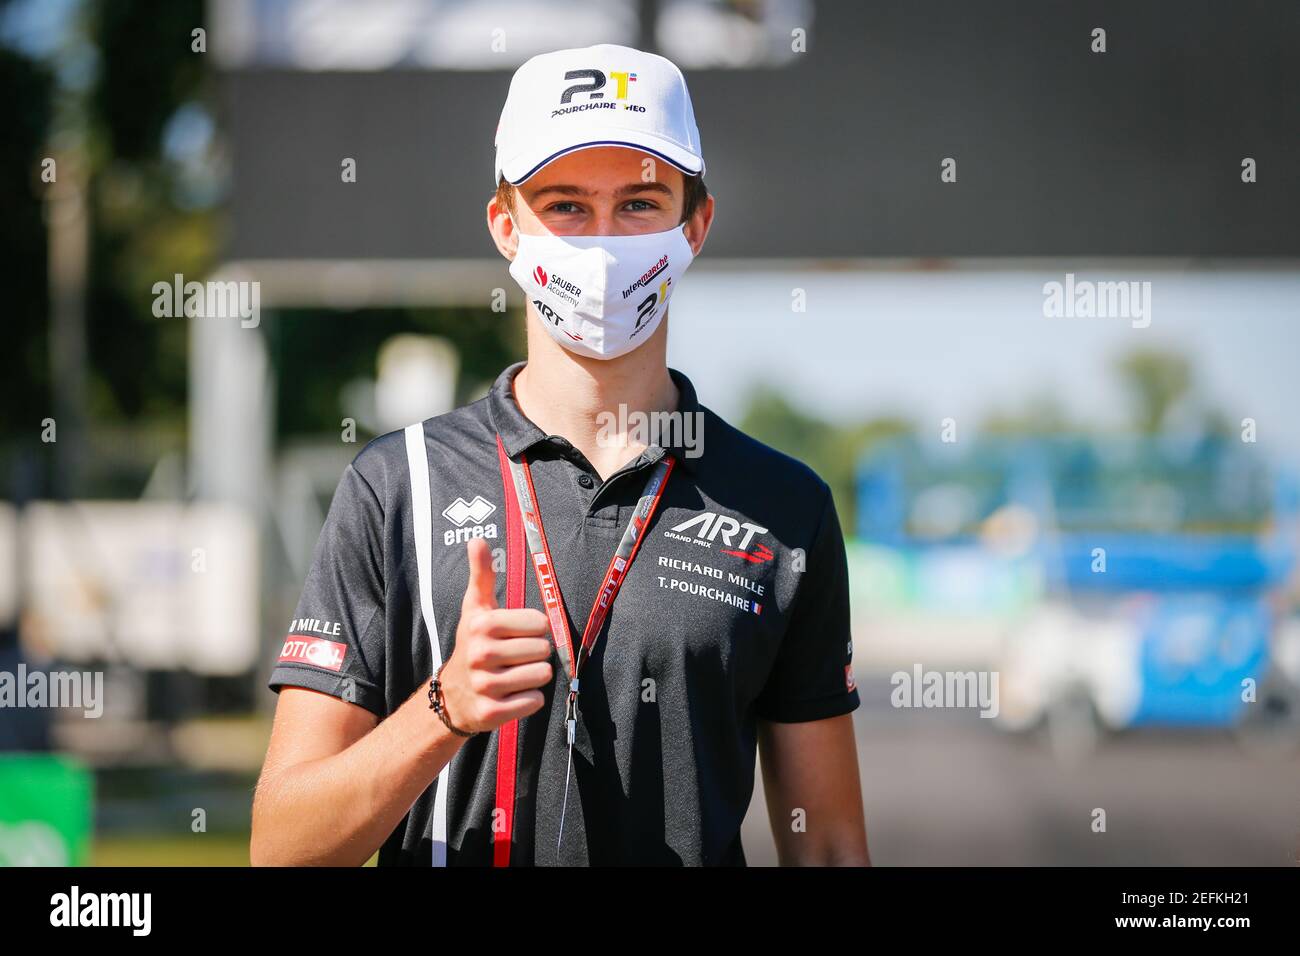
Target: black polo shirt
point(735, 609)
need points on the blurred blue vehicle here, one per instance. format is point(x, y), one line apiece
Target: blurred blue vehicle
point(1161, 568)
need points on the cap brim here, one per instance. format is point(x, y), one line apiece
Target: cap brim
point(522, 166)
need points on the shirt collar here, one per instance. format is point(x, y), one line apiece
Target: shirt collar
point(518, 433)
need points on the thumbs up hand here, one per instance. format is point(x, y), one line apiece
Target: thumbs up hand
point(501, 657)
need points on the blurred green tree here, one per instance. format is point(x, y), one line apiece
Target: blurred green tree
point(1156, 381)
point(832, 450)
point(26, 112)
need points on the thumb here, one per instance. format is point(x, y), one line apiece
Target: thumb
point(481, 592)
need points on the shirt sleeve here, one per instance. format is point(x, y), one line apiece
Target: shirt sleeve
point(812, 678)
point(335, 642)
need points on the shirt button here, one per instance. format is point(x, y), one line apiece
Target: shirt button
point(585, 480)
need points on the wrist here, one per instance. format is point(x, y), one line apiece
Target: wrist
point(438, 704)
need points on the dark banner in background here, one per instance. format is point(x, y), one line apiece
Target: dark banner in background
point(1059, 150)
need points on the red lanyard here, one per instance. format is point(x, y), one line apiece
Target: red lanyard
point(521, 477)
point(544, 567)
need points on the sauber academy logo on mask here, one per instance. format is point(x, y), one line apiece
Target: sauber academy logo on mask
point(461, 512)
point(707, 527)
point(562, 289)
point(558, 286)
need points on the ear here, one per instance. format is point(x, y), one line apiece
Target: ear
point(696, 229)
point(501, 226)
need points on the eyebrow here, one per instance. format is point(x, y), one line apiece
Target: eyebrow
point(629, 189)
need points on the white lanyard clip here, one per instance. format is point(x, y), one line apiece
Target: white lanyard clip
point(571, 726)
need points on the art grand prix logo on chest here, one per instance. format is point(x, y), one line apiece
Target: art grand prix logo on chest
point(708, 527)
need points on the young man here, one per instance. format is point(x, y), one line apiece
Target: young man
point(445, 694)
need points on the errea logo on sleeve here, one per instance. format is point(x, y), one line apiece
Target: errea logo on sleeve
point(461, 513)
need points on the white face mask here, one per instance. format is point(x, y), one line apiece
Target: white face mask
point(601, 296)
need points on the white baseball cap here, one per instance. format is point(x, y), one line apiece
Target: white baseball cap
point(604, 95)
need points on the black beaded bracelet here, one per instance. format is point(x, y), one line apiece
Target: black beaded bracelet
point(439, 706)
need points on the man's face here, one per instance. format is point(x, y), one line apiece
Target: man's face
point(601, 191)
